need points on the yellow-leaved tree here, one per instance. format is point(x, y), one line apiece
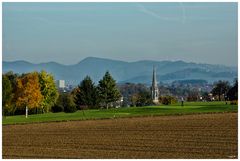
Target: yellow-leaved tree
point(48, 90)
point(28, 92)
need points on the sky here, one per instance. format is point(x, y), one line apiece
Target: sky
point(69, 32)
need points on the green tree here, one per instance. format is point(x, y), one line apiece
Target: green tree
point(232, 94)
point(48, 90)
point(86, 94)
point(220, 88)
point(144, 98)
point(13, 79)
point(66, 102)
point(108, 91)
point(6, 95)
point(11, 108)
point(134, 99)
point(130, 92)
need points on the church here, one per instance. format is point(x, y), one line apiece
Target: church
point(154, 88)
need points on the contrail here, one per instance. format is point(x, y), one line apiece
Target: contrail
point(184, 17)
point(153, 14)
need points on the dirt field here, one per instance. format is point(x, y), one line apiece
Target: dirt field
point(187, 136)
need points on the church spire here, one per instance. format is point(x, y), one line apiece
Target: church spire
point(155, 92)
point(154, 81)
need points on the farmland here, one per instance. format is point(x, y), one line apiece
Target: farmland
point(176, 109)
point(174, 136)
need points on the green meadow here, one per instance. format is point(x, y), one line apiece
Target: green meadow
point(176, 109)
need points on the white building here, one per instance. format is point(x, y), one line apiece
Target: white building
point(61, 83)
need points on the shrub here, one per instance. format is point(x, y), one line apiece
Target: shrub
point(9, 110)
point(57, 108)
point(70, 109)
point(234, 102)
point(167, 100)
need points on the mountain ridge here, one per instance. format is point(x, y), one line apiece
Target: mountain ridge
point(144, 60)
point(122, 71)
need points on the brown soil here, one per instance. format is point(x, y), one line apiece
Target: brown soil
point(186, 136)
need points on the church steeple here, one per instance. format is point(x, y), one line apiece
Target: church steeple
point(155, 92)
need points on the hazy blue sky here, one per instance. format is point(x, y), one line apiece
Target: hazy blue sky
point(69, 32)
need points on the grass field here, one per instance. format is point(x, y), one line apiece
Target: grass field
point(161, 137)
point(177, 109)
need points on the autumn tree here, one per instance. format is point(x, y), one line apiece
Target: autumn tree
point(48, 90)
point(86, 95)
point(28, 92)
point(167, 100)
point(108, 91)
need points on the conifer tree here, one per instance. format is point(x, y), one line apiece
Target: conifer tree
point(108, 91)
point(86, 94)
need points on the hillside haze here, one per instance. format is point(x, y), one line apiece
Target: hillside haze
point(134, 72)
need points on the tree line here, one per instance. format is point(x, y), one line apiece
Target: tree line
point(36, 92)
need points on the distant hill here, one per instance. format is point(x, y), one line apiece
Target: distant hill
point(191, 81)
point(134, 72)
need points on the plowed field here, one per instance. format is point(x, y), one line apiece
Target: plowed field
point(186, 136)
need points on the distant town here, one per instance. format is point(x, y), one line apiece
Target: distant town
point(187, 90)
